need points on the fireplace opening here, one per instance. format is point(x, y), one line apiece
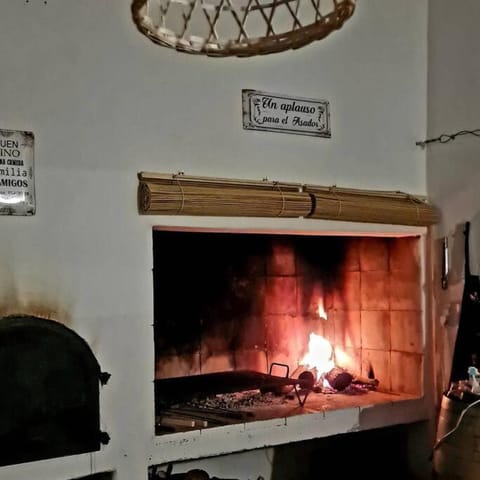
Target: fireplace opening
point(254, 326)
point(49, 406)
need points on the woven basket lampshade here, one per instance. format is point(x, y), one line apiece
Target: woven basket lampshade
point(241, 28)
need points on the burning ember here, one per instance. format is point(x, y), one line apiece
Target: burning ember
point(319, 360)
point(319, 357)
point(232, 395)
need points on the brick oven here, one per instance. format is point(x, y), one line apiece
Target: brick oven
point(242, 317)
point(51, 387)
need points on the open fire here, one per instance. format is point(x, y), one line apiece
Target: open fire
point(223, 398)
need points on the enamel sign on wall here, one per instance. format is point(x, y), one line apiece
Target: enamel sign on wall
point(283, 113)
point(17, 189)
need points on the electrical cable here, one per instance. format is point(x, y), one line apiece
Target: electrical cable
point(464, 411)
point(445, 138)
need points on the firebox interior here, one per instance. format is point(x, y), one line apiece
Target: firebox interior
point(235, 314)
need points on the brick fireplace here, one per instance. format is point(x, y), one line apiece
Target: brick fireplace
point(245, 301)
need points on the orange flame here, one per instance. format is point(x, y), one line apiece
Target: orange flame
point(321, 309)
point(319, 355)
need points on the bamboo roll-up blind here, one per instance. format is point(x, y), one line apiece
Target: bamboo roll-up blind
point(178, 195)
point(163, 194)
point(394, 208)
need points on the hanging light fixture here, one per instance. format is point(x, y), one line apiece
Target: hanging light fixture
point(241, 28)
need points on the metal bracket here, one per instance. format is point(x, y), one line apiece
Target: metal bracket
point(104, 377)
point(104, 438)
point(283, 365)
point(297, 393)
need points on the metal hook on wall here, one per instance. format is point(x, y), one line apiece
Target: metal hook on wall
point(445, 263)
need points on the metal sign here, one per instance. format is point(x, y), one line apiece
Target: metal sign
point(17, 189)
point(282, 113)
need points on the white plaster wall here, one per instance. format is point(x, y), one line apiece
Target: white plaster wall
point(105, 103)
point(453, 169)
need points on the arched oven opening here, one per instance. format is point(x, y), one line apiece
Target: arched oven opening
point(49, 405)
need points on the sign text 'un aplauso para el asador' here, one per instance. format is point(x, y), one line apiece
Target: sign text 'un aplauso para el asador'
point(287, 114)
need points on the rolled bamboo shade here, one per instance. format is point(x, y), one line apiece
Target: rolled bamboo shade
point(182, 195)
point(394, 208)
point(178, 194)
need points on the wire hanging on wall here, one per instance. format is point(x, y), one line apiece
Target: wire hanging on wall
point(445, 138)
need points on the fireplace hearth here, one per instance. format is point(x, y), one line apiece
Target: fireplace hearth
point(265, 399)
